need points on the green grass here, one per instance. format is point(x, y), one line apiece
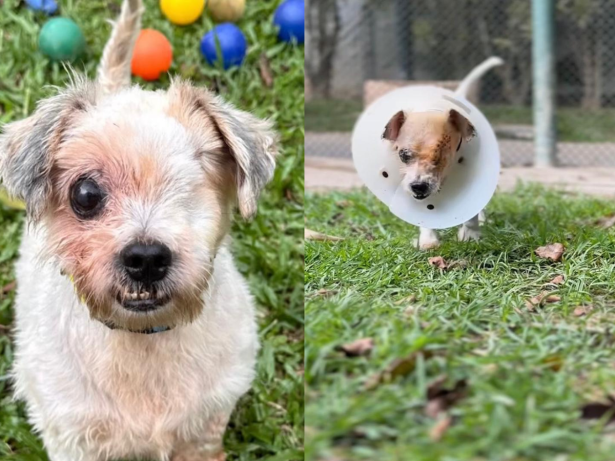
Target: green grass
point(573, 124)
point(268, 423)
point(528, 373)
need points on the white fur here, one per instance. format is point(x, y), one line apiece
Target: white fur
point(150, 392)
point(101, 394)
point(469, 231)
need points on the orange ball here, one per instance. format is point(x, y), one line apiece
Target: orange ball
point(153, 55)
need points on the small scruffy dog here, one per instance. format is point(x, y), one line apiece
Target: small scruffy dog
point(427, 144)
point(129, 195)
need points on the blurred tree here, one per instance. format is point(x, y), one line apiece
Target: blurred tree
point(323, 24)
point(584, 20)
point(507, 32)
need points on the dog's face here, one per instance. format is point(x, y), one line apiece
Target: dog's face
point(427, 143)
point(135, 193)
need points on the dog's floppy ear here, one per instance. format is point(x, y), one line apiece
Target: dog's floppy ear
point(461, 124)
point(252, 143)
point(249, 141)
point(27, 147)
point(392, 129)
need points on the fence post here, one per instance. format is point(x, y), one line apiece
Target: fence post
point(543, 60)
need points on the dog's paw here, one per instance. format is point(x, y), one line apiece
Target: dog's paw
point(428, 239)
point(426, 244)
point(467, 234)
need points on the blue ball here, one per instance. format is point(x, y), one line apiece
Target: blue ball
point(46, 6)
point(290, 18)
point(232, 45)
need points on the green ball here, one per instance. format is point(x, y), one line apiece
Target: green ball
point(61, 40)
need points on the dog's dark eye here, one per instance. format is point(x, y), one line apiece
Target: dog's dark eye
point(87, 198)
point(404, 155)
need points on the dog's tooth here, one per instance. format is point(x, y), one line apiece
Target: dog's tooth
point(145, 295)
point(134, 295)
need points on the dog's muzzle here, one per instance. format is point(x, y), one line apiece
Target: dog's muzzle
point(420, 190)
point(146, 265)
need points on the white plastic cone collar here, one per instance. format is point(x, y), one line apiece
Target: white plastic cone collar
point(469, 185)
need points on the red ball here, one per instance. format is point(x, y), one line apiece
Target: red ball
point(153, 55)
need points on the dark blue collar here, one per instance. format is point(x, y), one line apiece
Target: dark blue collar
point(147, 331)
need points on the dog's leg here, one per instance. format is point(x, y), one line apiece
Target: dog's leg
point(482, 217)
point(428, 239)
point(470, 230)
point(208, 448)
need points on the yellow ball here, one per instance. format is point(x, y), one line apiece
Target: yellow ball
point(11, 202)
point(182, 12)
point(226, 10)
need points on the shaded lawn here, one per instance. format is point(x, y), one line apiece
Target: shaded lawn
point(269, 251)
point(528, 373)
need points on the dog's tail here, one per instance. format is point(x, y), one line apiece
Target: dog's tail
point(476, 74)
point(114, 68)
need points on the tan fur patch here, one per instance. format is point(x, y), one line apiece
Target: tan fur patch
point(431, 139)
point(88, 248)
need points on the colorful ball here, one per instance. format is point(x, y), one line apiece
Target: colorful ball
point(10, 202)
point(226, 10)
point(182, 12)
point(290, 18)
point(152, 55)
point(46, 6)
point(61, 40)
point(232, 45)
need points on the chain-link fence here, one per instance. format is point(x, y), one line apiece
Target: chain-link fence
point(359, 49)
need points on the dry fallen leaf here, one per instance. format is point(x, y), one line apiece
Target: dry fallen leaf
point(439, 429)
point(343, 203)
point(407, 300)
point(435, 407)
point(436, 390)
point(397, 368)
point(597, 410)
point(554, 362)
point(439, 262)
point(440, 399)
point(313, 235)
point(541, 299)
point(559, 280)
point(553, 251)
point(461, 264)
point(265, 68)
point(8, 287)
point(580, 311)
point(605, 222)
point(357, 348)
point(326, 293)
point(435, 386)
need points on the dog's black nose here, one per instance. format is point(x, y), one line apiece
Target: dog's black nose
point(419, 188)
point(146, 263)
